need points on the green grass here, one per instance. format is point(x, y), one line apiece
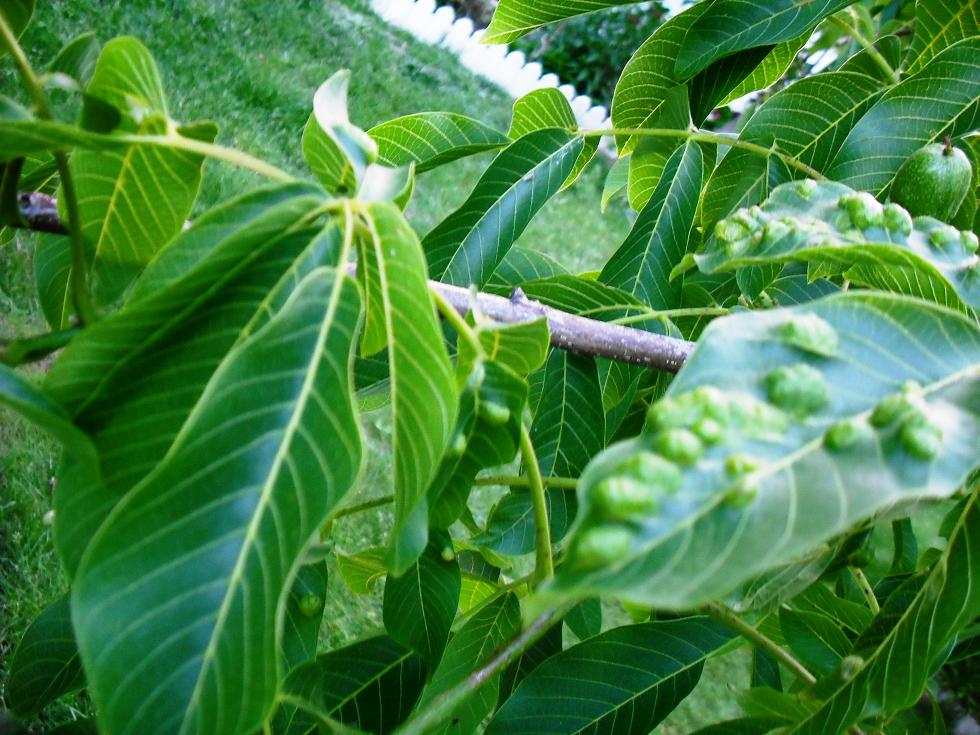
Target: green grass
point(253, 65)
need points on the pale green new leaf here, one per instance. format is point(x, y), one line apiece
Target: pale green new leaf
point(467, 246)
point(470, 648)
point(267, 455)
point(616, 181)
point(521, 346)
point(651, 153)
point(660, 235)
point(513, 18)
point(205, 291)
point(45, 664)
point(728, 26)
point(131, 201)
point(473, 591)
point(423, 390)
point(548, 108)
point(878, 247)
point(361, 571)
point(941, 99)
point(771, 69)
point(420, 605)
point(432, 139)
point(938, 24)
point(789, 488)
point(894, 674)
point(371, 685)
point(833, 102)
point(622, 682)
point(337, 151)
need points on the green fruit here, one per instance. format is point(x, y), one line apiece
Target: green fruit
point(603, 545)
point(933, 182)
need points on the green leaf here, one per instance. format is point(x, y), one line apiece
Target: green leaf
point(18, 14)
point(834, 102)
point(371, 685)
point(583, 296)
point(77, 59)
point(893, 675)
point(467, 246)
point(521, 346)
point(424, 400)
point(473, 591)
point(625, 680)
point(659, 238)
point(519, 266)
point(206, 290)
point(939, 100)
point(821, 599)
point(420, 605)
point(513, 18)
point(433, 139)
point(133, 200)
point(890, 47)
point(939, 24)
point(52, 271)
point(510, 524)
point(45, 664)
point(763, 375)
point(771, 69)
point(765, 671)
point(486, 435)
point(651, 154)
point(548, 645)
point(224, 518)
point(830, 227)
point(21, 396)
point(817, 641)
point(470, 648)
point(616, 181)
point(727, 26)
point(304, 613)
point(337, 151)
point(741, 726)
point(585, 619)
point(361, 571)
point(906, 547)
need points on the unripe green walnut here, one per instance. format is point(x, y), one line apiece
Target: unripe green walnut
point(310, 605)
point(800, 389)
point(933, 182)
point(679, 445)
point(810, 333)
point(602, 545)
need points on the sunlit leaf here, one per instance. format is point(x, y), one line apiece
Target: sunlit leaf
point(513, 18)
point(432, 139)
point(771, 69)
point(361, 571)
point(938, 24)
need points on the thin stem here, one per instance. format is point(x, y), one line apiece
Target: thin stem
point(868, 46)
point(866, 590)
point(31, 81)
point(84, 309)
point(559, 483)
point(674, 314)
point(544, 565)
point(442, 707)
point(458, 323)
point(366, 505)
point(37, 347)
point(211, 150)
point(717, 138)
point(726, 617)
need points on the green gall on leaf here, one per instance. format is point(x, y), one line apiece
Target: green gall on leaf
point(739, 465)
point(495, 414)
point(738, 232)
point(970, 241)
point(709, 430)
point(806, 188)
point(741, 494)
point(849, 667)
point(945, 238)
point(777, 229)
point(810, 333)
point(448, 553)
point(310, 605)
point(679, 445)
point(897, 219)
point(637, 487)
point(602, 545)
point(863, 210)
point(457, 447)
point(846, 434)
point(890, 409)
point(920, 437)
point(933, 182)
point(683, 411)
point(801, 389)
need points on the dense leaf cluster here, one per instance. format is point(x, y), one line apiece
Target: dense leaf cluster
point(211, 377)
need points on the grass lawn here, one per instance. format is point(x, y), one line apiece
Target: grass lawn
point(253, 65)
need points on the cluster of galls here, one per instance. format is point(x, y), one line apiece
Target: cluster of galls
point(680, 429)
